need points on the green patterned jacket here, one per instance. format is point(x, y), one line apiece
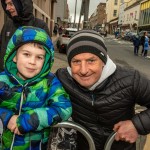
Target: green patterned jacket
point(40, 102)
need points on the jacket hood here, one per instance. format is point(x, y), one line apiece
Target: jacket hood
point(24, 9)
point(23, 35)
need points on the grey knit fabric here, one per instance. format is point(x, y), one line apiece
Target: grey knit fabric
point(87, 41)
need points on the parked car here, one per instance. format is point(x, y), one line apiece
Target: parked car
point(129, 36)
point(142, 33)
point(64, 39)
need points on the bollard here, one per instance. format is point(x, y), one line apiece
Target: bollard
point(81, 129)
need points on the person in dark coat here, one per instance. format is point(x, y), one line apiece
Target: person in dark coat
point(103, 94)
point(136, 43)
point(142, 41)
point(20, 13)
point(55, 29)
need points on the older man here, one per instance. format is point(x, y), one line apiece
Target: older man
point(103, 94)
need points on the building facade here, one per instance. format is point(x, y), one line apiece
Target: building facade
point(112, 12)
point(61, 13)
point(144, 19)
point(131, 16)
point(98, 18)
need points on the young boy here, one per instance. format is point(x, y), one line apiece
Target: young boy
point(31, 98)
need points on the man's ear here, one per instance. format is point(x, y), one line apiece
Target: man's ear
point(15, 59)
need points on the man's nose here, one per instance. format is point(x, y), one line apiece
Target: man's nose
point(8, 7)
point(84, 68)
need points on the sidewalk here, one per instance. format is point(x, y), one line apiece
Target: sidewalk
point(54, 38)
point(58, 63)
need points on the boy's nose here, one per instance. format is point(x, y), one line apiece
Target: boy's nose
point(32, 60)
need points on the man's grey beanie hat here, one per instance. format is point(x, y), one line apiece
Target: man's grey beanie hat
point(85, 41)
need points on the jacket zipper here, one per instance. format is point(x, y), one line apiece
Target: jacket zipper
point(21, 102)
point(93, 100)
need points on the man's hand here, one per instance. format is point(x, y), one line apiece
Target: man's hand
point(12, 125)
point(125, 131)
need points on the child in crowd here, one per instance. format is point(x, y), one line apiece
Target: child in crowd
point(31, 98)
point(146, 45)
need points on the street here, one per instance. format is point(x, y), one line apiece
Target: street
point(121, 52)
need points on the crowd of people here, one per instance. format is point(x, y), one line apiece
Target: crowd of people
point(93, 91)
point(144, 42)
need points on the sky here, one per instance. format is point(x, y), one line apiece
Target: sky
point(92, 8)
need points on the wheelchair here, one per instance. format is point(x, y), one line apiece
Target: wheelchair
point(81, 129)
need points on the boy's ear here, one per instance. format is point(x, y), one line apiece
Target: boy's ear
point(15, 59)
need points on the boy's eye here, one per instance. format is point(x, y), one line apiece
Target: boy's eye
point(40, 57)
point(26, 54)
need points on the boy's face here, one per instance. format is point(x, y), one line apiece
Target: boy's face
point(29, 60)
point(11, 8)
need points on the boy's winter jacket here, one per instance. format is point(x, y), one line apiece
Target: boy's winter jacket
point(40, 102)
point(25, 18)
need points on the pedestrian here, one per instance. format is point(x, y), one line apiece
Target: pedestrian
point(60, 30)
point(142, 41)
point(32, 98)
point(103, 94)
point(20, 13)
point(55, 29)
point(116, 33)
point(146, 45)
point(106, 33)
point(136, 43)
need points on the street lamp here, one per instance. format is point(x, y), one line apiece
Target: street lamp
point(75, 14)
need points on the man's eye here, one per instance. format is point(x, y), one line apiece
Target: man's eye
point(11, 4)
point(76, 62)
point(91, 61)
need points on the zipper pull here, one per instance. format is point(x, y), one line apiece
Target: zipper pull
point(92, 103)
point(92, 100)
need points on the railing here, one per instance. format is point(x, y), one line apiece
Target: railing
point(87, 135)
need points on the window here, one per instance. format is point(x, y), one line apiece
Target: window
point(115, 13)
point(35, 13)
point(135, 15)
point(42, 17)
point(127, 17)
point(116, 2)
point(46, 20)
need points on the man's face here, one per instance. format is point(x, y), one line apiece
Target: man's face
point(86, 69)
point(11, 8)
point(29, 60)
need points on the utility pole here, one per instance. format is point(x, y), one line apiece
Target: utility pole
point(81, 13)
point(75, 13)
point(86, 13)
